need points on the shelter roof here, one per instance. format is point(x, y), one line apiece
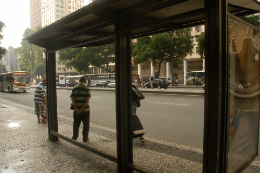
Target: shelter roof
point(93, 25)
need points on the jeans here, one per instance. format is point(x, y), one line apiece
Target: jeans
point(84, 117)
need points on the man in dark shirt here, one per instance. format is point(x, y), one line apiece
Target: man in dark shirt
point(80, 98)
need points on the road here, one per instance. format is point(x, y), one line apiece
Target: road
point(170, 117)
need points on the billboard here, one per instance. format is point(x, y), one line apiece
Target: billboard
point(243, 99)
point(62, 79)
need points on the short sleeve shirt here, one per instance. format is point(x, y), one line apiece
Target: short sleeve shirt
point(82, 96)
point(40, 89)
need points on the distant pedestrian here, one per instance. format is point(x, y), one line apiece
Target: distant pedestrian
point(89, 82)
point(80, 98)
point(140, 82)
point(151, 79)
point(40, 102)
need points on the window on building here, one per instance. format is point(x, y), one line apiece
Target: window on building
point(146, 67)
point(57, 0)
point(197, 50)
point(61, 11)
point(197, 38)
point(57, 11)
point(69, 12)
point(61, 16)
point(59, 63)
point(59, 68)
point(61, 0)
point(63, 63)
point(61, 6)
point(72, 8)
point(58, 16)
point(64, 69)
point(69, 2)
point(191, 51)
point(57, 5)
point(69, 7)
point(191, 38)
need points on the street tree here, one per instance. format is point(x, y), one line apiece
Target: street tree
point(3, 50)
point(30, 55)
point(101, 56)
point(201, 45)
point(40, 70)
point(253, 20)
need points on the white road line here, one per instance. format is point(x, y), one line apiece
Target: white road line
point(191, 95)
point(176, 104)
point(171, 94)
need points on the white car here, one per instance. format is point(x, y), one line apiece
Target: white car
point(111, 85)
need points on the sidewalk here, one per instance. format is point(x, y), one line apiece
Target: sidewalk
point(25, 147)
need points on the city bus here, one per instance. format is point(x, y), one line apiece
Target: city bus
point(15, 81)
point(196, 74)
point(95, 78)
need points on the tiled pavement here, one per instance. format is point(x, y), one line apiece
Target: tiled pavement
point(24, 147)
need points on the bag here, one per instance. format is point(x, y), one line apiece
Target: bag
point(71, 106)
point(136, 94)
point(151, 78)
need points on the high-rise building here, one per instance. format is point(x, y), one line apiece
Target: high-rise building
point(9, 60)
point(46, 12)
point(35, 13)
point(53, 10)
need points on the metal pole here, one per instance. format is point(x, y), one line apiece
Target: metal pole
point(51, 94)
point(214, 146)
point(123, 100)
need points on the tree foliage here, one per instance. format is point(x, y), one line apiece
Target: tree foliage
point(3, 51)
point(166, 47)
point(40, 69)
point(30, 55)
point(101, 56)
point(201, 45)
point(81, 58)
point(253, 20)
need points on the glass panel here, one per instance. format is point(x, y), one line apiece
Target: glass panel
point(244, 50)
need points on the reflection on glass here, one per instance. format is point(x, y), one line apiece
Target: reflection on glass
point(244, 50)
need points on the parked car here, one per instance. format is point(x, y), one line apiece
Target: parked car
point(102, 84)
point(157, 83)
point(111, 85)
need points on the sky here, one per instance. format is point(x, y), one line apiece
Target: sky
point(16, 16)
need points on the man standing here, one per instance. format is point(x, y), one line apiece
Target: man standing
point(40, 102)
point(151, 81)
point(80, 98)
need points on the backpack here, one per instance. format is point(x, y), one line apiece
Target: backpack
point(136, 94)
point(151, 78)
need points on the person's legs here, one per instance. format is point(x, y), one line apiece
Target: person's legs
point(85, 119)
point(37, 111)
point(76, 124)
point(42, 112)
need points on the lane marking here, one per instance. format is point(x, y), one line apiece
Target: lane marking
point(176, 104)
point(171, 94)
point(191, 95)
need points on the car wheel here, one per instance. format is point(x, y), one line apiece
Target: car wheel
point(165, 88)
point(108, 86)
point(159, 87)
point(24, 91)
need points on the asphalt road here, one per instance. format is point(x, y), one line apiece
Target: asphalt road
point(170, 117)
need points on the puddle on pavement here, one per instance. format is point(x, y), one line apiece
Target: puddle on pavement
point(8, 170)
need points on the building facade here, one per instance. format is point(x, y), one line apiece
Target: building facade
point(35, 13)
point(9, 60)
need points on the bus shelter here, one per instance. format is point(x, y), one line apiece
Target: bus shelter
point(227, 61)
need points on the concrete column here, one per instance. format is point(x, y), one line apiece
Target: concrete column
point(152, 70)
point(185, 70)
point(139, 70)
point(168, 70)
point(203, 64)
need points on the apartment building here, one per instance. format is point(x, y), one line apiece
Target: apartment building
point(9, 60)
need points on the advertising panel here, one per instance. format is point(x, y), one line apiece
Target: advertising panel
point(243, 100)
point(62, 79)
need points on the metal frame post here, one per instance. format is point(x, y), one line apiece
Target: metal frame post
point(214, 148)
point(123, 67)
point(51, 94)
